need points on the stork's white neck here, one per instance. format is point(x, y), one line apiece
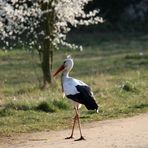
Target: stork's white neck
point(65, 73)
point(64, 76)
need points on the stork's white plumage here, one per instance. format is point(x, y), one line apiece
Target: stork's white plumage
point(76, 90)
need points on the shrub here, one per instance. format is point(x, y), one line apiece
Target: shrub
point(61, 104)
point(46, 107)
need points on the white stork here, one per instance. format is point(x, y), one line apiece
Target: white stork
point(77, 91)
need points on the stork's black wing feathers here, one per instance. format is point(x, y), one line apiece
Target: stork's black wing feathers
point(84, 97)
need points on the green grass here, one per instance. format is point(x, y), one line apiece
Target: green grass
point(115, 65)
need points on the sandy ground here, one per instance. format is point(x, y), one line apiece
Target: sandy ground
point(121, 133)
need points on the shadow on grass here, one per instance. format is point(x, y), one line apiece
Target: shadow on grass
point(43, 106)
point(6, 112)
point(139, 106)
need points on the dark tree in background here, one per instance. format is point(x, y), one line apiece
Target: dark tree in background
point(122, 11)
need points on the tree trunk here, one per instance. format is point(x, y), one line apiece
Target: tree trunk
point(47, 47)
point(46, 64)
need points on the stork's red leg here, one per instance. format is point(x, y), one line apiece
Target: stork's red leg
point(74, 122)
point(77, 117)
point(79, 124)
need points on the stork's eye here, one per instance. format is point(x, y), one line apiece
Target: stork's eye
point(64, 62)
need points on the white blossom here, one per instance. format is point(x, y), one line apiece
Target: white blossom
point(17, 17)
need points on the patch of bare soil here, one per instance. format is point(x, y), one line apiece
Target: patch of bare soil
point(120, 133)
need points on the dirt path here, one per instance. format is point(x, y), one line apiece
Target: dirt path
point(121, 133)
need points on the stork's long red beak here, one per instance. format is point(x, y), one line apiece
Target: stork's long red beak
point(59, 69)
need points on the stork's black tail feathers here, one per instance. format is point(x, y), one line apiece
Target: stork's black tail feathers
point(85, 97)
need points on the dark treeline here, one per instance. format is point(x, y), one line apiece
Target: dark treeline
point(123, 13)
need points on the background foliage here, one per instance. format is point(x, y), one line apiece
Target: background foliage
point(113, 64)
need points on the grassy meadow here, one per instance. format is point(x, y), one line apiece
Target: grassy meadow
point(115, 65)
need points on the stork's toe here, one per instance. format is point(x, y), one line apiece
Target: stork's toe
point(81, 138)
point(71, 137)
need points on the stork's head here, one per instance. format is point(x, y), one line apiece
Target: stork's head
point(66, 66)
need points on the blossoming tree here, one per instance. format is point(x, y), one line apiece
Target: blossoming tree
point(43, 25)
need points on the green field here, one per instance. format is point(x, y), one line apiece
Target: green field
point(115, 65)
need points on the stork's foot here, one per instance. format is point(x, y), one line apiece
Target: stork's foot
point(71, 137)
point(81, 138)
